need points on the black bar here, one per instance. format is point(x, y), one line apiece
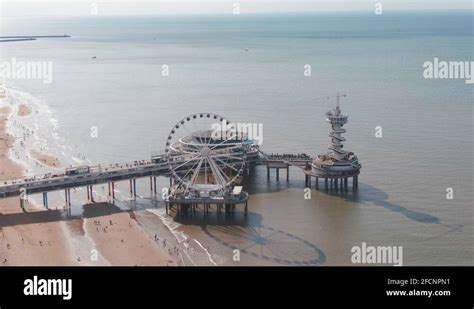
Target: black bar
point(282, 285)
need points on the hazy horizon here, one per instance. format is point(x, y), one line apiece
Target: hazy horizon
point(33, 8)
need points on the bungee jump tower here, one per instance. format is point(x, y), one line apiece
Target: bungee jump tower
point(337, 165)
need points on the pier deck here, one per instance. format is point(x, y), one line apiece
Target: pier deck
point(117, 172)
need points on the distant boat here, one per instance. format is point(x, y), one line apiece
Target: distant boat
point(94, 57)
point(247, 49)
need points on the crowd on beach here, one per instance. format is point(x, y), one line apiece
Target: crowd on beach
point(172, 250)
point(9, 247)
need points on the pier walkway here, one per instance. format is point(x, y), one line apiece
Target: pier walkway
point(123, 171)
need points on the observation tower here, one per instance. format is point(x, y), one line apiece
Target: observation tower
point(337, 165)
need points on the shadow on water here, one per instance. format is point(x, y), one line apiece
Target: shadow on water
point(366, 194)
point(247, 234)
point(256, 184)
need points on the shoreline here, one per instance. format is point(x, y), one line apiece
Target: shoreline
point(42, 239)
point(52, 239)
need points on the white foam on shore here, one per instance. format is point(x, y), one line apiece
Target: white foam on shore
point(77, 160)
point(180, 236)
point(169, 223)
point(27, 139)
point(207, 252)
point(82, 248)
point(38, 131)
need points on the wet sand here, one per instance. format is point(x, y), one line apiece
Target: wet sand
point(121, 240)
point(45, 237)
point(37, 242)
point(45, 159)
point(24, 110)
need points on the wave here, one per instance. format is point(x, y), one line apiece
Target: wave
point(39, 130)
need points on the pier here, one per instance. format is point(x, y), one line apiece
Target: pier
point(203, 170)
point(283, 161)
point(30, 37)
point(35, 36)
point(116, 172)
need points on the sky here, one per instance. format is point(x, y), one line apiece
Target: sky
point(13, 8)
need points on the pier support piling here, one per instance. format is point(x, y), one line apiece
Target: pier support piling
point(45, 199)
point(91, 193)
point(113, 190)
point(134, 188)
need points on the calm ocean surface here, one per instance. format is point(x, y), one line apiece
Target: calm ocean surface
point(250, 69)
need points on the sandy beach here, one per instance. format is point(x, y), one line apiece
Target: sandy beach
point(26, 238)
point(43, 237)
point(45, 159)
point(24, 110)
point(121, 240)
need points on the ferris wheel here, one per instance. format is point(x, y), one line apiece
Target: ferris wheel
point(203, 156)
